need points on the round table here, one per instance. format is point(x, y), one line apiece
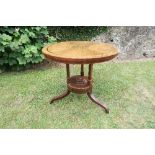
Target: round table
point(80, 52)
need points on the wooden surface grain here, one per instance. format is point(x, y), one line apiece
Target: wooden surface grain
point(80, 52)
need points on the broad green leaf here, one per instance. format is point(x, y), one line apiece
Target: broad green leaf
point(33, 49)
point(24, 39)
point(14, 45)
point(5, 37)
point(51, 39)
point(30, 49)
point(21, 60)
point(31, 34)
point(5, 43)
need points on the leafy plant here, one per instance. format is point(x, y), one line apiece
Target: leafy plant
point(21, 46)
point(64, 33)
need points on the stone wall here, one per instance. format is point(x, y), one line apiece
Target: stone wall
point(133, 42)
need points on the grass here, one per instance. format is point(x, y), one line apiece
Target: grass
point(128, 88)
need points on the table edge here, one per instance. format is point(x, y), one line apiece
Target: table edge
point(74, 60)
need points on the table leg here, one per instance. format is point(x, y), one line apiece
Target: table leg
point(95, 100)
point(60, 96)
point(90, 95)
point(65, 93)
point(82, 70)
point(68, 71)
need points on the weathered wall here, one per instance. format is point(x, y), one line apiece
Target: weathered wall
point(133, 42)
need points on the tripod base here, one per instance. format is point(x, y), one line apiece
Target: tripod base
point(80, 84)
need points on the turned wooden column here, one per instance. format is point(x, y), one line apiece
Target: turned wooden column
point(82, 70)
point(68, 71)
point(90, 74)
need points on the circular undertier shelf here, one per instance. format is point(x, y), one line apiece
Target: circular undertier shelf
point(79, 84)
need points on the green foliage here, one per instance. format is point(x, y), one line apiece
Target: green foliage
point(21, 46)
point(64, 33)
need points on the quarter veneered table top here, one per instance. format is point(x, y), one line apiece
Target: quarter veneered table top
point(80, 52)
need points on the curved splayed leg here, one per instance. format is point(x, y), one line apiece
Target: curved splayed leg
point(60, 96)
point(92, 97)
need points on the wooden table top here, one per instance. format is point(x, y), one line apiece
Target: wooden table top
point(80, 52)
